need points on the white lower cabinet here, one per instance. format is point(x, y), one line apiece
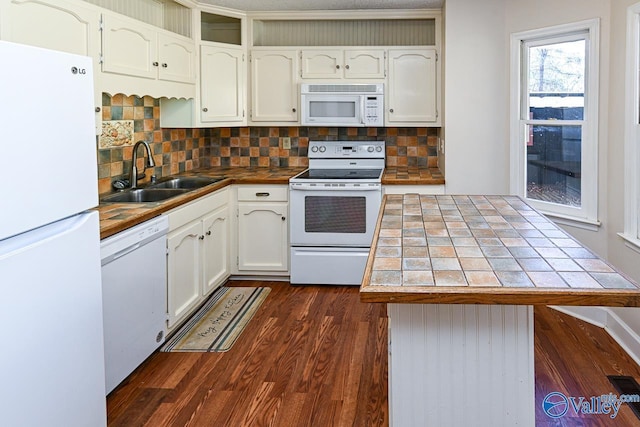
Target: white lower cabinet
point(197, 253)
point(263, 230)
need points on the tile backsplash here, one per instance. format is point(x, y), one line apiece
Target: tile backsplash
point(180, 150)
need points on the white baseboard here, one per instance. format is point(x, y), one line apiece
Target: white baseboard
point(624, 335)
point(617, 328)
point(595, 315)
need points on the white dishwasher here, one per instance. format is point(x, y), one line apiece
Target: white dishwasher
point(134, 296)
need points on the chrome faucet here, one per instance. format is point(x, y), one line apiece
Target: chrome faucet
point(133, 175)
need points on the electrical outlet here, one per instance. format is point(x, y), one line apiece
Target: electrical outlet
point(442, 145)
point(286, 142)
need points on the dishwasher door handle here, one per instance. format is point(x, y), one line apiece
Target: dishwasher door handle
point(124, 252)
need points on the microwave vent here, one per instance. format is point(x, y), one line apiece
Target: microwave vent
point(337, 88)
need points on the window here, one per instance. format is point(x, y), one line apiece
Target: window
point(632, 131)
point(554, 120)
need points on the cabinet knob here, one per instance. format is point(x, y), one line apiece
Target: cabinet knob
point(284, 218)
point(98, 109)
point(293, 109)
point(155, 63)
point(201, 237)
point(208, 233)
point(205, 109)
point(346, 66)
point(337, 67)
point(164, 65)
point(391, 110)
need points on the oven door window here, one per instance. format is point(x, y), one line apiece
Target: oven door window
point(335, 214)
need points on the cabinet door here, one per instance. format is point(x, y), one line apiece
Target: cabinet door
point(221, 84)
point(129, 47)
point(412, 94)
point(177, 58)
point(364, 64)
point(215, 253)
point(263, 236)
point(321, 64)
point(274, 92)
point(56, 25)
point(183, 270)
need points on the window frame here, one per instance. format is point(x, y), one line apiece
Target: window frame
point(585, 216)
point(631, 233)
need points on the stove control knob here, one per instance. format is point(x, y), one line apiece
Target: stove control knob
point(314, 149)
point(323, 148)
point(370, 149)
point(378, 149)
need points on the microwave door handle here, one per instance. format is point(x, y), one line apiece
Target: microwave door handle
point(362, 112)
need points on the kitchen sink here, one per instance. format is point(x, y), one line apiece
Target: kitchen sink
point(141, 195)
point(186, 182)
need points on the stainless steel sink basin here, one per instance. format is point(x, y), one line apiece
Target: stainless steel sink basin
point(187, 182)
point(141, 195)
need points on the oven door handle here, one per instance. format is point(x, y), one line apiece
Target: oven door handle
point(336, 188)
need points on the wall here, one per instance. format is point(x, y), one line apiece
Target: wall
point(619, 254)
point(181, 150)
point(476, 92)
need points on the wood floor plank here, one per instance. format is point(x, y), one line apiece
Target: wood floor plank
point(316, 356)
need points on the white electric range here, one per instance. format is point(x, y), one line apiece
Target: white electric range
point(333, 211)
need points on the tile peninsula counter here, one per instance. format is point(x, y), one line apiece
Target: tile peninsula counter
point(460, 275)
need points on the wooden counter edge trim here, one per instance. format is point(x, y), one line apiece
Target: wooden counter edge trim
point(368, 269)
point(493, 295)
point(414, 181)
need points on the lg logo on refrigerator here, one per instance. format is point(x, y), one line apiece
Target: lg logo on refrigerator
point(76, 70)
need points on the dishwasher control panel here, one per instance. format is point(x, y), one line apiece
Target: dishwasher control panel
point(119, 244)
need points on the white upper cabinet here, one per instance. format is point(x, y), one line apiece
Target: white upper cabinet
point(176, 57)
point(342, 64)
point(412, 90)
point(321, 64)
point(222, 84)
point(274, 90)
point(364, 64)
point(57, 25)
point(133, 48)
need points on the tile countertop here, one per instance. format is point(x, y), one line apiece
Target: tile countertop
point(483, 250)
point(116, 217)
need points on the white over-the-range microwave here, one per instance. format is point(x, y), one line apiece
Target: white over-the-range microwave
point(349, 104)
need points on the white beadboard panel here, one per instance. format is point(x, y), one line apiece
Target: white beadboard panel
point(373, 32)
point(461, 365)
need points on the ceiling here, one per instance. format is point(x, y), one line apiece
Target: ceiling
point(268, 5)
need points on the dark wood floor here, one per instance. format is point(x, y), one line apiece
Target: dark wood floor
point(316, 356)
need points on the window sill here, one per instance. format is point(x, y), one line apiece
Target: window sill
point(585, 224)
point(631, 242)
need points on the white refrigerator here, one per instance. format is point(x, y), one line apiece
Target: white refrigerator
point(52, 357)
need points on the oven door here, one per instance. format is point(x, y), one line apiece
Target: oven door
point(339, 216)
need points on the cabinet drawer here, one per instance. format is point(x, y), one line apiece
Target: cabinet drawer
point(186, 213)
point(266, 193)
